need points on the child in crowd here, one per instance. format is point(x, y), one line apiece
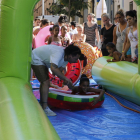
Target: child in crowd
point(55, 39)
point(111, 48)
point(84, 88)
point(51, 34)
point(51, 23)
point(79, 37)
point(64, 39)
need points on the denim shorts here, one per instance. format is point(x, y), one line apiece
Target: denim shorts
point(129, 51)
point(136, 52)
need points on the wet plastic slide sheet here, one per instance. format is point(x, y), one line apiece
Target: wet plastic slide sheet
point(109, 122)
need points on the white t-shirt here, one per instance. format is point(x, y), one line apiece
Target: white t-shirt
point(47, 54)
point(73, 31)
point(36, 27)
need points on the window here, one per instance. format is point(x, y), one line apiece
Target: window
point(131, 5)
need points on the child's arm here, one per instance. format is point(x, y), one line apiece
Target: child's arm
point(73, 38)
point(84, 38)
point(74, 90)
point(54, 86)
point(50, 40)
point(35, 32)
point(112, 60)
point(46, 39)
point(101, 93)
point(116, 56)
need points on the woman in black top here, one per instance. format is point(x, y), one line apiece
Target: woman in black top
point(106, 33)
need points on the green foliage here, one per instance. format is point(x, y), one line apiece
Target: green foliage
point(62, 7)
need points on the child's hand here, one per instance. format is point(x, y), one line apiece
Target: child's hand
point(55, 86)
point(109, 60)
point(64, 88)
point(96, 99)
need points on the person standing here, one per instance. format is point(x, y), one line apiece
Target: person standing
point(90, 29)
point(55, 58)
point(132, 35)
point(106, 33)
point(119, 32)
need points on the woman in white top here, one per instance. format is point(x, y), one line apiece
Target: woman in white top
point(119, 32)
point(79, 37)
point(132, 35)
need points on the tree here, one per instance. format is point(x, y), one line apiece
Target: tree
point(70, 8)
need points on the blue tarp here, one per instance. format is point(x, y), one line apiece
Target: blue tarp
point(109, 122)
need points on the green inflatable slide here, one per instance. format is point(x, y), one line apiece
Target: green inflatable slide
point(21, 117)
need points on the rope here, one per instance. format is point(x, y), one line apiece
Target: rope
point(121, 103)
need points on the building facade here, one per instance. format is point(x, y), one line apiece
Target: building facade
point(112, 7)
point(38, 8)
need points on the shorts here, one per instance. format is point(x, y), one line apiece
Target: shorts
point(129, 51)
point(41, 72)
point(136, 52)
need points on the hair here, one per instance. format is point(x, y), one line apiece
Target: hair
point(37, 19)
point(51, 29)
point(120, 12)
point(54, 26)
point(110, 45)
point(62, 19)
point(73, 23)
point(105, 15)
point(79, 26)
point(131, 13)
point(67, 23)
point(90, 14)
point(83, 79)
point(72, 50)
point(63, 27)
point(44, 21)
point(51, 22)
point(93, 15)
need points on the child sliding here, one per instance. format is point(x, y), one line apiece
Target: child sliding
point(84, 88)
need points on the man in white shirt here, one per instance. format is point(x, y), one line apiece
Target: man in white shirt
point(56, 58)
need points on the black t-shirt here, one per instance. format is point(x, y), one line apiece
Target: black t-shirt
point(107, 34)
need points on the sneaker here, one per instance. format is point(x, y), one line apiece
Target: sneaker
point(49, 112)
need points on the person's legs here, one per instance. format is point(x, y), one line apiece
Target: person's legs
point(42, 75)
point(44, 90)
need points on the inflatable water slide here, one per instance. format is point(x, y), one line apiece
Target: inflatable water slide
point(21, 117)
point(121, 78)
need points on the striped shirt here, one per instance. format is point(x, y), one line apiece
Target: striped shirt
point(90, 33)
